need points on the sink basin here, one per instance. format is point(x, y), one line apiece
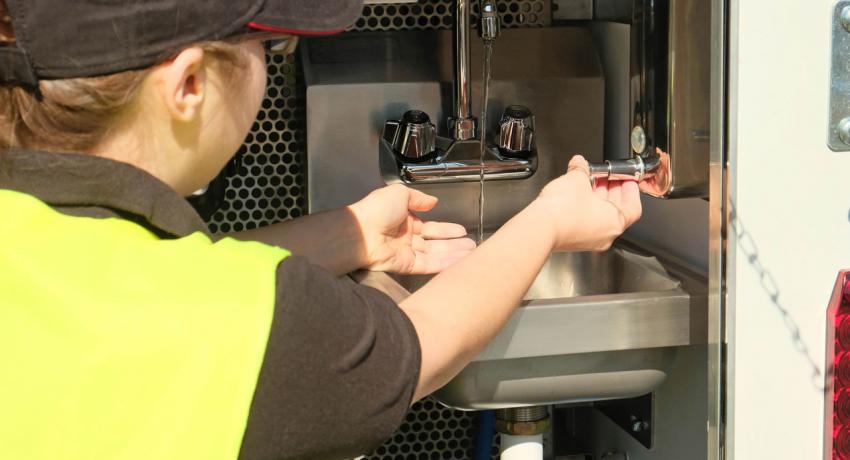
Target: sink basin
point(574, 274)
point(593, 326)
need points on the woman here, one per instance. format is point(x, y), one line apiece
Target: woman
point(127, 332)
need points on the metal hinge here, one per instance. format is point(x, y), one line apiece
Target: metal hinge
point(839, 98)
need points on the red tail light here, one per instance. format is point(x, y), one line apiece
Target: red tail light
point(841, 444)
point(842, 333)
point(842, 408)
point(838, 379)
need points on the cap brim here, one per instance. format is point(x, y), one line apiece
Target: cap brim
point(307, 17)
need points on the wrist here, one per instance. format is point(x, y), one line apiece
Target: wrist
point(542, 222)
point(356, 234)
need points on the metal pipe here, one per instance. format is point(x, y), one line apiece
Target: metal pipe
point(462, 123)
point(463, 82)
point(466, 171)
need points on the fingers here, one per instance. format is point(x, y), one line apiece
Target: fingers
point(578, 172)
point(448, 246)
point(434, 256)
point(579, 164)
point(441, 246)
point(615, 189)
point(630, 202)
point(427, 263)
point(625, 197)
point(441, 230)
point(600, 188)
point(420, 202)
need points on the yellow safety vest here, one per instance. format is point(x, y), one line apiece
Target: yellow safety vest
point(116, 344)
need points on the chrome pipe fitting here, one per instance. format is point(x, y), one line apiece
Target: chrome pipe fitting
point(631, 169)
point(523, 421)
point(637, 168)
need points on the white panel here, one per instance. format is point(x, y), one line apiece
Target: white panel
point(792, 194)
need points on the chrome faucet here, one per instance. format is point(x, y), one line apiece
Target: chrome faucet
point(411, 152)
point(462, 124)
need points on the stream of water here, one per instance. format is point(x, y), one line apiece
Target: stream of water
point(488, 55)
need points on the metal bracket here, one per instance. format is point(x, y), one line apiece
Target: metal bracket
point(839, 98)
point(634, 416)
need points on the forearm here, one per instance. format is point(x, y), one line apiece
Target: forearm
point(458, 312)
point(330, 239)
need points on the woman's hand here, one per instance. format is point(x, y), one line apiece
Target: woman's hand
point(398, 241)
point(585, 217)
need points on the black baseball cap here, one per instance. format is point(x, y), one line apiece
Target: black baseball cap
point(57, 39)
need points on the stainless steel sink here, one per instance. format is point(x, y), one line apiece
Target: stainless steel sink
point(591, 327)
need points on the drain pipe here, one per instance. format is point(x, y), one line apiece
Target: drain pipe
point(522, 431)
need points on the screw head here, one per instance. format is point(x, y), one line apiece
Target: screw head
point(844, 130)
point(639, 426)
point(638, 139)
point(845, 18)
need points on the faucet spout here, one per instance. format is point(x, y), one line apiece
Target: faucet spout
point(490, 26)
point(462, 125)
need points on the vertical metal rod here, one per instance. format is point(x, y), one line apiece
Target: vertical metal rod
point(719, 431)
point(463, 81)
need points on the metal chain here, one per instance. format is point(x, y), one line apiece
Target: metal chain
point(747, 245)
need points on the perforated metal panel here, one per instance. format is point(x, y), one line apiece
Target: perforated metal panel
point(432, 431)
point(437, 14)
point(270, 186)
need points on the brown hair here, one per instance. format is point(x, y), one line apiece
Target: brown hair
point(75, 115)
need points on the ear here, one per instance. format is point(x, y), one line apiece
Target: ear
point(182, 84)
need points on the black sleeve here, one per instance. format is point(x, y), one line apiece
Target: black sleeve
point(339, 372)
